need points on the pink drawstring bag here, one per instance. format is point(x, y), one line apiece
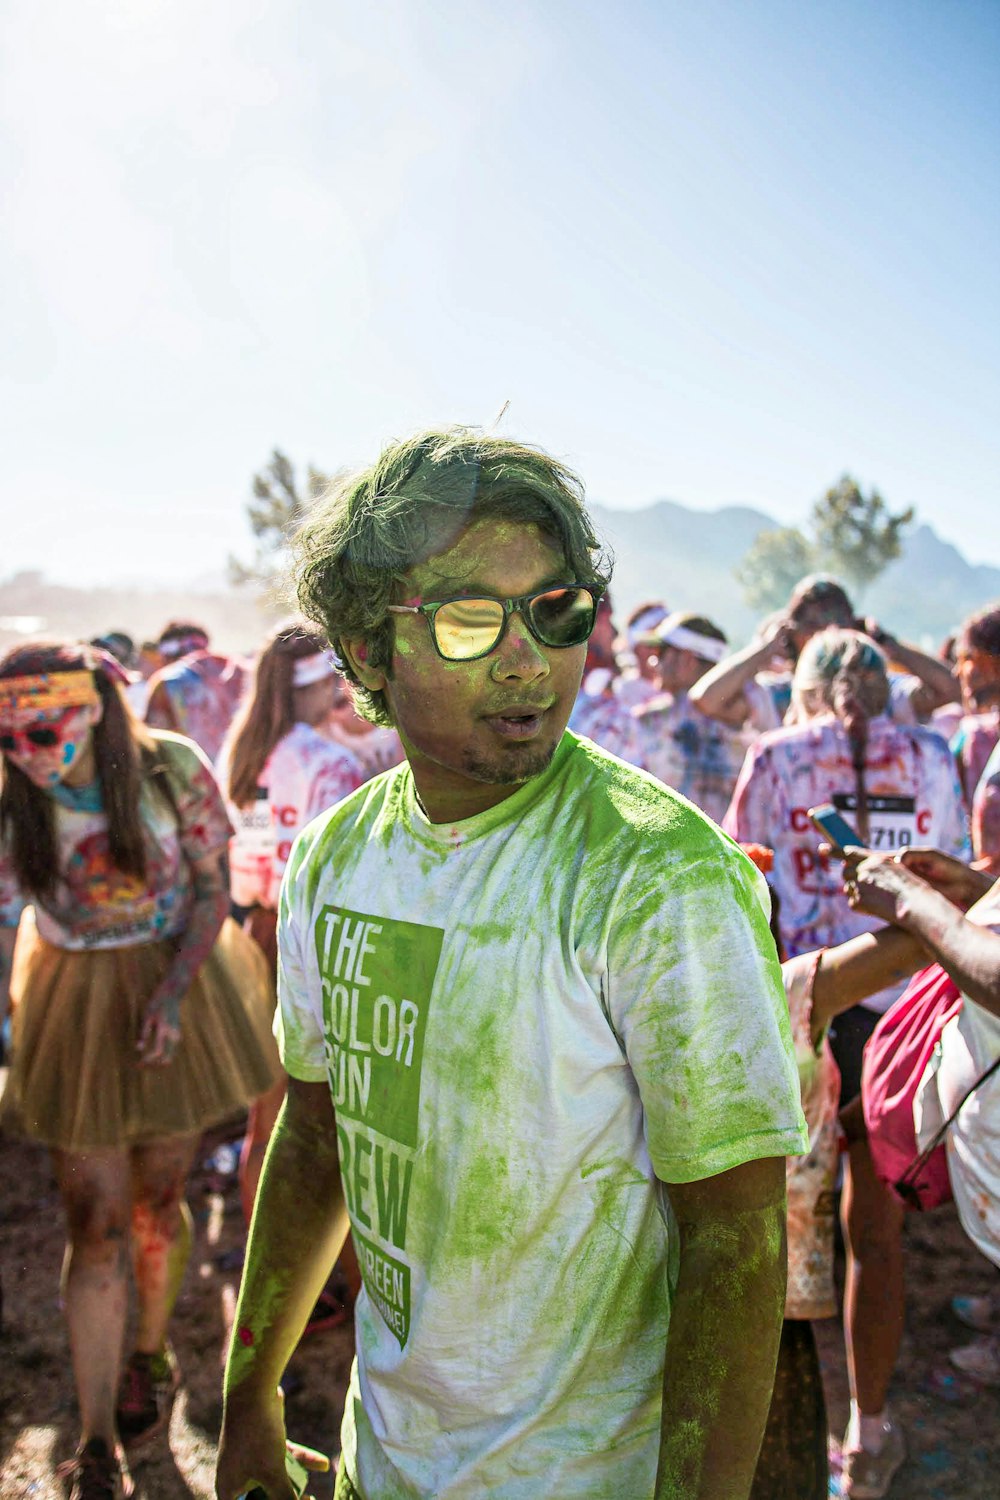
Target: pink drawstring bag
point(895, 1060)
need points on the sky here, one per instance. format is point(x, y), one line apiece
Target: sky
point(718, 253)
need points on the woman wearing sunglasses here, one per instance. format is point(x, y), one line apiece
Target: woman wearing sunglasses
point(140, 1018)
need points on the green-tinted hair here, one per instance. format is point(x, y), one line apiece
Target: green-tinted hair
point(370, 528)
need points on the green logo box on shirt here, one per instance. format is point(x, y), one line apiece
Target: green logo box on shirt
point(387, 1282)
point(376, 978)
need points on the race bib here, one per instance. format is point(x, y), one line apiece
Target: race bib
point(892, 821)
point(256, 826)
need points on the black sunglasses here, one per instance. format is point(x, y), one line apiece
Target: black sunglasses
point(465, 629)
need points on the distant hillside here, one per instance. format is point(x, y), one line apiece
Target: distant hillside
point(29, 606)
point(664, 551)
point(687, 557)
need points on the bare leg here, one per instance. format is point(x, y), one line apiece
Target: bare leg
point(263, 1113)
point(161, 1232)
point(874, 1296)
point(95, 1193)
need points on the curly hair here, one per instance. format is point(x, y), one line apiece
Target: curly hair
point(353, 553)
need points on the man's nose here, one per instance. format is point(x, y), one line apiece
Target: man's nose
point(519, 654)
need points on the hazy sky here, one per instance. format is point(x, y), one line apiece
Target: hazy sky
point(717, 252)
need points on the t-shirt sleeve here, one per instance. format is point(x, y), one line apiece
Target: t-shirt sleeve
point(954, 837)
point(696, 997)
point(203, 823)
point(297, 1022)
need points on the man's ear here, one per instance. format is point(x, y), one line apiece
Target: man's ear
point(355, 652)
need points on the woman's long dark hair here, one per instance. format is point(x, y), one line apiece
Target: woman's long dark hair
point(125, 752)
point(269, 713)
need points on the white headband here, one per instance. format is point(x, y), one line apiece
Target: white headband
point(689, 640)
point(310, 669)
point(644, 623)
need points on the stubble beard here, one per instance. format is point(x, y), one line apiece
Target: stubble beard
point(509, 769)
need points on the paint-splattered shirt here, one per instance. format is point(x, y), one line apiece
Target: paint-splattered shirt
point(698, 756)
point(94, 904)
point(913, 798)
point(525, 1019)
point(304, 775)
point(197, 697)
point(377, 748)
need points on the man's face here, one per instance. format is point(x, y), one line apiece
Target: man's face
point(680, 669)
point(810, 618)
point(473, 731)
point(978, 676)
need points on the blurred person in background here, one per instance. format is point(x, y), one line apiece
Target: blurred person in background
point(744, 688)
point(896, 784)
point(278, 771)
point(197, 691)
point(977, 668)
point(639, 680)
point(376, 746)
point(141, 1016)
point(697, 756)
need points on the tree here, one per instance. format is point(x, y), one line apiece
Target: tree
point(852, 535)
point(773, 566)
point(275, 513)
point(855, 534)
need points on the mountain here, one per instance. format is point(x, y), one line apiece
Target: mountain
point(686, 557)
point(664, 551)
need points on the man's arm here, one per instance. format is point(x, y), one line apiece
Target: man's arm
point(719, 693)
point(725, 1324)
point(863, 965)
point(938, 684)
point(299, 1224)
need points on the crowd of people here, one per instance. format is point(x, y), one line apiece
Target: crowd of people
point(575, 1031)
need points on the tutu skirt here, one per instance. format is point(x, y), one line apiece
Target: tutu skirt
point(76, 1082)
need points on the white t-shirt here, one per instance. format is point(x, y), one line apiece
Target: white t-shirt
point(303, 776)
point(525, 1018)
point(913, 797)
point(969, 1044)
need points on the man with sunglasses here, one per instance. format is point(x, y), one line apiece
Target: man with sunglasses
point(538, 1048)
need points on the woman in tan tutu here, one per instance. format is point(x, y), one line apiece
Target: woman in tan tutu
point(141, 1015)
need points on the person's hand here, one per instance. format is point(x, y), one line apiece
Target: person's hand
point(161, 1032)
point(958, 882)
point(777, 636)
point(253, 1451)
point(878, 885)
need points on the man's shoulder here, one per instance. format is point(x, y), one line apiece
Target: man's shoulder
point(617, 803)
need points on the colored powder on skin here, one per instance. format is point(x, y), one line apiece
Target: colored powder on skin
point(69, 750)
point(246, 1337)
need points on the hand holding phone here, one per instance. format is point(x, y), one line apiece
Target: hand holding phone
point(835, 829)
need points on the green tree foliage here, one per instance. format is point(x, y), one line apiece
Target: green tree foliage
point(856, 535)
point(773, 566)
point(275, 512)
point(851, 535)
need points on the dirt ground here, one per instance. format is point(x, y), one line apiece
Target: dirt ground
point(952, 1425)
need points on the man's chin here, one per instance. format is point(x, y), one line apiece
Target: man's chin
point(512, 767)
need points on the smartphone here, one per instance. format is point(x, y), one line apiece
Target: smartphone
point(835, 829)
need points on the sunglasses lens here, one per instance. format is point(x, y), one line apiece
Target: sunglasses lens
point(43, 738)
point(563, 617)
point(467, 628)
point(7, 742)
